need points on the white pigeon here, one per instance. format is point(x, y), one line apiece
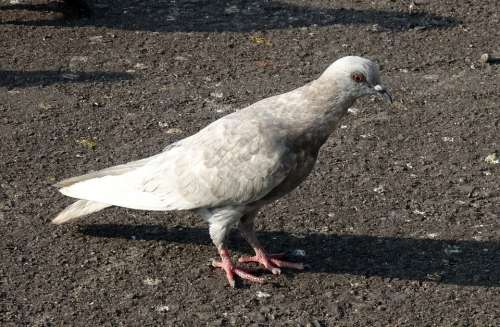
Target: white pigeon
point(231, 168)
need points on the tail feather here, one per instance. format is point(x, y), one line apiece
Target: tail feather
point(111, 171)
point(78, 209)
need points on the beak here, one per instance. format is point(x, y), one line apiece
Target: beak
point(383, 93)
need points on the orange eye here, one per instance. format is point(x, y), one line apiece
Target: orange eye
point(358, 77)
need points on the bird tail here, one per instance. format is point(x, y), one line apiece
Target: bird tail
point(85, 207)
point(78, 209)
point(111, 171)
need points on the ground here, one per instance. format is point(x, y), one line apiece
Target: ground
point(399, 220)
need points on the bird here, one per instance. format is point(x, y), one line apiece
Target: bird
point(234, 166)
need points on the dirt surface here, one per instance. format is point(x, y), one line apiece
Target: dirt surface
point(399, 220)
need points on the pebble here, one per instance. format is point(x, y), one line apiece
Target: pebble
point(217, 94)
point(452, 249)
point(232, 10)
point(174, 131)
point(261, 294)
point(162, 308)
point(96, 39)
point(492, 159)
point(431, 77)
point(151, 281)
point(298, 253)
point(70, 76)
point(448, 139)
point(353, 111)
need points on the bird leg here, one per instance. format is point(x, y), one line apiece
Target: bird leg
point(271, 262)
point(232, 270)
point(220, 222)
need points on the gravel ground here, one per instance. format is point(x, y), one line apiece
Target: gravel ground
point(399, 221)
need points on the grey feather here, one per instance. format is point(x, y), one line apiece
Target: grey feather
point(78, 209)
point(110, 171)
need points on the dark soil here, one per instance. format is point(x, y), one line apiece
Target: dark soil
point(400, 219)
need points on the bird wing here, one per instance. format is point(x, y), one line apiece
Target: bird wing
point(230, 162)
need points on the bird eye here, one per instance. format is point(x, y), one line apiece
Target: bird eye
point(358, 77)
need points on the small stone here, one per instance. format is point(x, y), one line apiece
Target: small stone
point(76, 60)
point(45, 106)
point(162, 308)
point(353, 111)
point(174, 131)
point(90, 144)
point(151, 281)
point(70, 76)
point(232, 10)
point(492, 159)
point(259, 39)
point(452, 249)
point(431, 77)
point(261, 295)
point(96, 39)
point(217, 94)
point(298, 253)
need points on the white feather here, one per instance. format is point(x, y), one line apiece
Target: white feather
point(78, 209)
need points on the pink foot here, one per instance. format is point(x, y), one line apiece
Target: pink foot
point(271, 262)
point(232, 270)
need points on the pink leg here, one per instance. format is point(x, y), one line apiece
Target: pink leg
point(271, 261)
point(232, 270)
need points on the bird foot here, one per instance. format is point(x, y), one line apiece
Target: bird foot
point(231, 270)
point(271, 262)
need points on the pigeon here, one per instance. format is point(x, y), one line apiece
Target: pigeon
point(236, 165)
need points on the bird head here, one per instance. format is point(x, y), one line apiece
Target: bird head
point(357, 77)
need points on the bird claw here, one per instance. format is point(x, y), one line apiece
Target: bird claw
point(272, 262)
point(232, 270)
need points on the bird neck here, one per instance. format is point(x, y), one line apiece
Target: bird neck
point(317, 111)
point(328, 104)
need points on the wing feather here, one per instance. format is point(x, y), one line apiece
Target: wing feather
point(229, 162)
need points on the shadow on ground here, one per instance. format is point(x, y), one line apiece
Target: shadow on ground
point(230, 16)
point(42, 78)
point(71, 9)
point(442, 261)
